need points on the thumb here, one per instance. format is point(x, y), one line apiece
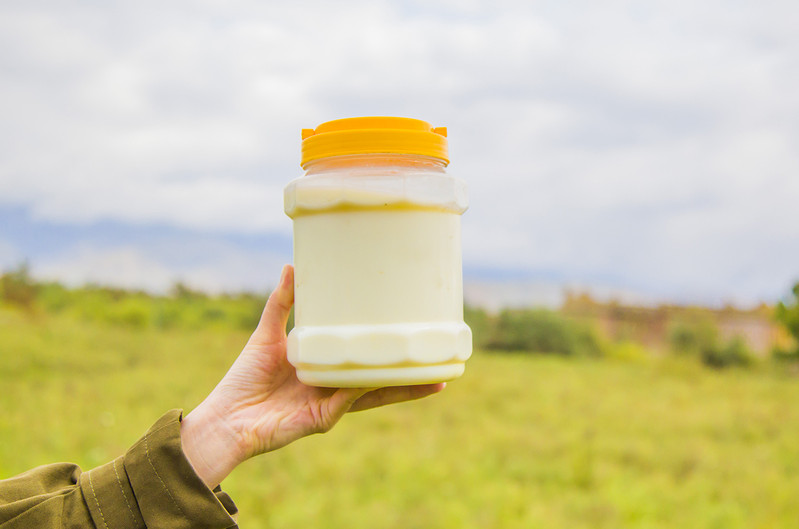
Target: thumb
point(272, 326)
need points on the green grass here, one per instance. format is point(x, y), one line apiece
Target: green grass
point(520, 441)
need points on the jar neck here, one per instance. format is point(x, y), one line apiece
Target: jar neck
point(415, 162)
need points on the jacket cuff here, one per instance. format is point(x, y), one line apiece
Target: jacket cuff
point(109, 497)
point(154, 485)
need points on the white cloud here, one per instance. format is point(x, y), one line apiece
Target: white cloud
point(123, 267)
point(210, 204)
point(223, 269)
point(649, 143)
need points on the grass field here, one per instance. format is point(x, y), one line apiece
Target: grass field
point(520, 441)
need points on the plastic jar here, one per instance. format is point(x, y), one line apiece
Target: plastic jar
point(377, 254)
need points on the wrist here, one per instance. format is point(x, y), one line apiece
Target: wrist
point(210, 444)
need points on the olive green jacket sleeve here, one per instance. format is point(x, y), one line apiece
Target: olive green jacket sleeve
point(152, 485)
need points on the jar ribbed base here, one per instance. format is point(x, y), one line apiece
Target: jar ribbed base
point(379, 355)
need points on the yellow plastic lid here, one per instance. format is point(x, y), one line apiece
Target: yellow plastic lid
point(376, 134)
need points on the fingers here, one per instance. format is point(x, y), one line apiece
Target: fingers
point(339, 403)
point(344, 399)
point(272, 326)
point(384, 396)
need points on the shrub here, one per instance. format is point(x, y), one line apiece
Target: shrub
point(700, 339)
point(788, 315)
point(182, 291)
point(213, 313)
point(785, 355)
point(693, 337)
point(542, 331)
point(134, 313)
point(54, 297)
point(480, 323)
point(167, 314)
point(734, 353)
point(18, 288)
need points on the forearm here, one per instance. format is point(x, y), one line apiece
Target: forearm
point(210, 445)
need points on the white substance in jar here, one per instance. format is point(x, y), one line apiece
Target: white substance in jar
point(378, 280)
point(378, 289)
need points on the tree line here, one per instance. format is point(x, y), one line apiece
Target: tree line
point(529, 331)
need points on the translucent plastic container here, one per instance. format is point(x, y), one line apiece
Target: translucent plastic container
point(377, 256)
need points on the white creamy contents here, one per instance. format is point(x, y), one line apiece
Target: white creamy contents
point(367, 267)
point(378, 291)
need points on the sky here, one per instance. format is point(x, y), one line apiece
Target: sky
point(642, 149)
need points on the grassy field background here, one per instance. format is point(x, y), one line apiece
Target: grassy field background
point(520, 441)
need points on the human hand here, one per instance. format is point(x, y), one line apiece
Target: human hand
point(260, 405)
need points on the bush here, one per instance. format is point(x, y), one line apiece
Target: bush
point(785, 355)
point(134, 313)
point(167, 314)
point(734, 353)
point(788, 315)
point(542, 331)
point(18, 288)
point(480, 323)
point(700, 339)
point(692, 338)
point(53, 297)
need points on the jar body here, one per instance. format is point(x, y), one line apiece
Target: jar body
point(378, 274)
